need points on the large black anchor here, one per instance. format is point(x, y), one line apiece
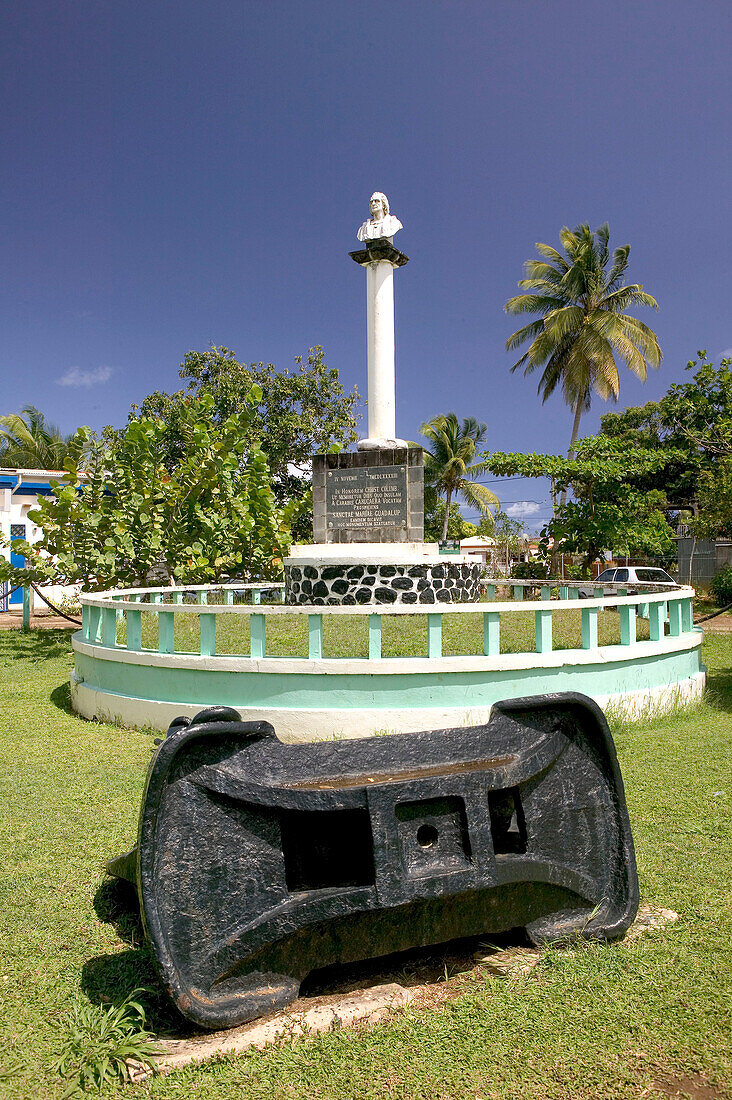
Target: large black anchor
point(258, 862)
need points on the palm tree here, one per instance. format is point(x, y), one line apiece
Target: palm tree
point(449, 465)
point(583, 325)
point(29, 440)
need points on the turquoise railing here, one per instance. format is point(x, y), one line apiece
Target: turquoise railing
point(669, 614)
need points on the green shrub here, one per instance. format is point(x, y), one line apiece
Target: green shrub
point(530, 570)
point(721, 586)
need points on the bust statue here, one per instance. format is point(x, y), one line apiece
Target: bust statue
point(381, 223)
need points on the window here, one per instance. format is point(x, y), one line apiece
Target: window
point(657, 575)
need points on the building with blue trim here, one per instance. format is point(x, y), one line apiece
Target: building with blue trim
point(19, 493)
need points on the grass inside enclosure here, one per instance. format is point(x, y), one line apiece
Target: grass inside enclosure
point(401, 635)
point(603, 1022)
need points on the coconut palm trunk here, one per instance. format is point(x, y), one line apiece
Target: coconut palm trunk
point(450, 467)
point(448, 499)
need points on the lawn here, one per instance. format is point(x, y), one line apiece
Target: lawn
point(600, 1022)
point(401, 635)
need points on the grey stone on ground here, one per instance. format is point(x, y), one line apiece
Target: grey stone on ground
point(651, 918)
point(366, 1005)
point(515, 962)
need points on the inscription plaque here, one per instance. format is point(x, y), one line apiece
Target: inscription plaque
point(368, 497)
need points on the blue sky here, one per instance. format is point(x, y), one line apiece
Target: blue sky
point(176, 173)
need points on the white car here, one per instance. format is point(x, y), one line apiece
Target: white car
point(631, 575)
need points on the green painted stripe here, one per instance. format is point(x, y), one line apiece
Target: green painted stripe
point(318, 690)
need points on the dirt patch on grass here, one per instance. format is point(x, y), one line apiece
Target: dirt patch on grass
point(13, 620)
point(691, 1085)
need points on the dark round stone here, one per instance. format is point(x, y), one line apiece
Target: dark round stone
point(417, 571)
point(450, 582)
point(422, 584)
point(453, 570)
point(402, 583)
point(355, 572)
point(339, 587)
point(318, 600)
point(384, 595)
point(443, 596)
point(295, 572)
point(427, 596)
point(372, 569)
point(311, 572)
point(320, 589)
point(368, 580)
point(438, 572)
point(409, 597)
point(350, 600)
point(307, 587)
point(388, 571)
point(331, 572)
point(363, 595)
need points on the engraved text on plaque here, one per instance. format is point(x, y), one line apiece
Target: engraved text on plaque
point(373, 496)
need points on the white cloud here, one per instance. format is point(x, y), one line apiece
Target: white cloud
point(75, 376)
point(522, 509)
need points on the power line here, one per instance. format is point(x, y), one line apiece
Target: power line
point(503, 480)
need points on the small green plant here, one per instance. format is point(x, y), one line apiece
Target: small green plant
point(100, 1042)
point(721, 586)
point(530, 570)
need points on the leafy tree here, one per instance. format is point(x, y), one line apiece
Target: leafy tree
point(28, 440)
point(582, 324)
point(486, 525)
point(450, 468)
point(692, 424)
point(714, 495)
point(607, 512)
point(509, 535)
point(126, 514)
point(300, 413)
point(457, 526)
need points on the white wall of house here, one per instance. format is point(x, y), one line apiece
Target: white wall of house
point(19, 493)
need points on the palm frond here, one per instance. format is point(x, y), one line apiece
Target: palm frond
point(528, 332)
point(532, 303)
point(551, 254)
point(478, 496)
point(561, 322)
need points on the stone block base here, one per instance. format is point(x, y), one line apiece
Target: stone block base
point(347, 583)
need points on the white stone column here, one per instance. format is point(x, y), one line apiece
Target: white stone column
point(380, 340)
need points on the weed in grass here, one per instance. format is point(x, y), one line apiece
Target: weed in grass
point(101, 1041)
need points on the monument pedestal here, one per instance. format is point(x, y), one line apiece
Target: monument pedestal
point(376, 573)
point(368, 524)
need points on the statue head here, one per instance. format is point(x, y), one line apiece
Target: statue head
point(378, 205)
